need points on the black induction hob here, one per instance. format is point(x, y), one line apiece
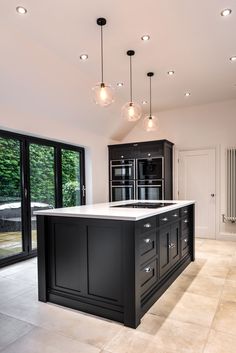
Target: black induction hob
point(145, 205)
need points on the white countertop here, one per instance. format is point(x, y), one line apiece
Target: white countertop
point(105, 211)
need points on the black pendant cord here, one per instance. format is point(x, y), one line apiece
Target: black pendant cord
point(150, 107)
point(131, 82)
point(102, 54)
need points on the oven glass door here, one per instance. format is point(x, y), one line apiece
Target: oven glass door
point(145, 192)
point(122, 171)
point(122, 193)
point(149, 169)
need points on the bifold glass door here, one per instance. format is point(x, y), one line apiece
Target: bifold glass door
point(71, 178)
point(42, 182)
point(35, 174)
point(11, 237)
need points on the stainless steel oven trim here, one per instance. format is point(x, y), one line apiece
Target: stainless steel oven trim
point(139, 186)
point(122, 186)
point(119, 160)
point(151, 158)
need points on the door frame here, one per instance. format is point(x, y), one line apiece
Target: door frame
point(25, 141)
point(216, 149)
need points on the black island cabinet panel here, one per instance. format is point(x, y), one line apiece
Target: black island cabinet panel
point(105, 263)
point(67, 251)
point(111, 268)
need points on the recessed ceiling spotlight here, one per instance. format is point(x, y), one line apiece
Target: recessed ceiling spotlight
point(233, 58)
point(226, 12)
point(83, 56)
point(144, 102)
point(187, 94)
point(120, 84)
point(171, 72)
point(21, 10)
point(145, 37)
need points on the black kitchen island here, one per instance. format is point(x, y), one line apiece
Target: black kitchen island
point(111, 261)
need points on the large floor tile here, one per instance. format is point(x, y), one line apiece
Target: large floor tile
point(229, 291)
point(216, 267)
point(195, 267)
point(196, 309)
point(219, 342)
point(225, 318)
point(218, 247)
point(206, 286)
point(232, 273)
point(173, 335)
point(73, 324)
point(12, 288)
point(132, 341)
point(11, 329)
point(166, 303)
point(41, 340)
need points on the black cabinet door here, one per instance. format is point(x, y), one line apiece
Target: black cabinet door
point(175, 243)
point(105, 263)
point(164, 249)
point(68, 250)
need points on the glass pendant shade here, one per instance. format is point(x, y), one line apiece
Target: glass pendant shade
point(150, 123)
point(103, 94)
point(131, 111)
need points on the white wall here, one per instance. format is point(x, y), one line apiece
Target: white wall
point(95, 146)
point(210, 125)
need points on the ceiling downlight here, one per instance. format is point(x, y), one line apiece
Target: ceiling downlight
point(21, 10)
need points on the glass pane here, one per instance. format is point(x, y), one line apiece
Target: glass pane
point(10, 198)
point(71, 195)
point(42, 182)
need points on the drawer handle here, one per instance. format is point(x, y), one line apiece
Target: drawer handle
point(172, 246)
point(147, 240)
point(185, 211)
point(147, 225)
point(147, 269)
point(185, 221)
point(165, 219)
point(186, 240)
point(175, 215)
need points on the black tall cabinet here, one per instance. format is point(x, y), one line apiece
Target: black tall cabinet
point(134, 152)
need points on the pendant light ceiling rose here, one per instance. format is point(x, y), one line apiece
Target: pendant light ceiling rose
point(130, 52)
point(150, 74)
point(101, 21)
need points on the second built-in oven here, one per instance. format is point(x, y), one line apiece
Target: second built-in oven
point(150, 168)
point(122, 170)
point(122, 190)
point(150, 190)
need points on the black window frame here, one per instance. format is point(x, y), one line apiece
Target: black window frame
point(25, 141)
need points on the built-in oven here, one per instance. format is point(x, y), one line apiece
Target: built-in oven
point(122, 190)
point(150, 190)
point(150, 168)
point(122, 170)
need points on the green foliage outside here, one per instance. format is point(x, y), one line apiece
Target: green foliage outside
point(41, 174)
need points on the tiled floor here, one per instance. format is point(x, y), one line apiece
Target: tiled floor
point(197, 314)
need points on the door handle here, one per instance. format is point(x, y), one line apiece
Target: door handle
point(212, 195)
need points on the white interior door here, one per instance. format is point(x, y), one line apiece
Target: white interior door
point(197, 181)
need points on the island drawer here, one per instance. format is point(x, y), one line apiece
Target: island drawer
point(148, 276)
point(168, 217)
point(146, 225)
point(185, 244)
point(184, 211)
point(147, 246)
point(185, 224)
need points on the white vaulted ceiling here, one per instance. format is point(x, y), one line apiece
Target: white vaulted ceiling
point(41, 73)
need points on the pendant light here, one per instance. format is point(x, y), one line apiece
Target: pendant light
point(150, 121)
point(131, 111)
point(103, 93)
